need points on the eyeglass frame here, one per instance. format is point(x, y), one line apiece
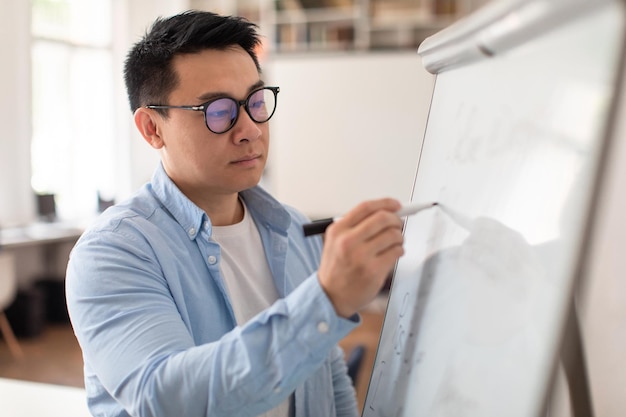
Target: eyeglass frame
point(203, 106)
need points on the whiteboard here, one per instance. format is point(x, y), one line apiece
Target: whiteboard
point(514, 140)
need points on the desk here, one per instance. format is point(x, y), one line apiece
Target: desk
point(37, 234)
point(29, 399)
point(40, 249)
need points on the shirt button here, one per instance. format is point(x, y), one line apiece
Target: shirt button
point(322, 327)
point(212, 259)
point(192, 231)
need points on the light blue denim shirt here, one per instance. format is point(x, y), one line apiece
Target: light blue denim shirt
point(159, 337)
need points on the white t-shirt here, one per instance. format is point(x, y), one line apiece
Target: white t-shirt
point(248, 278)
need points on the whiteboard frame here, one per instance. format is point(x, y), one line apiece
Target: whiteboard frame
point(498, 28)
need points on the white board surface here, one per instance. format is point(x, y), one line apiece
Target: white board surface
point(514, 141)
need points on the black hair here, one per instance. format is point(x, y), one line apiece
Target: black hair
point(148, 71)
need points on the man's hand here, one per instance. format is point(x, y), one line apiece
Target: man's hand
point(359, 251)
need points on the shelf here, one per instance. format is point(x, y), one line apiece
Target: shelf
point(317, 16)
point(340, 25)
point(414, 20)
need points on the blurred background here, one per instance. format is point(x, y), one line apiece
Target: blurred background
point(352, 110)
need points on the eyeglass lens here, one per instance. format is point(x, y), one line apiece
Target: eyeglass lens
point(222, 113)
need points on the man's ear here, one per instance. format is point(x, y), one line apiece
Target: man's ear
point(146, 121)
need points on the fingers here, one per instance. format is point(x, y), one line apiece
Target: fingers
point(370, 229)
point(359, 251)
point(367, 208)
point(371, 238)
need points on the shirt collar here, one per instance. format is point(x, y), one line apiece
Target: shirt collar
point(184, 211)
point(263, 207)
point(266, 209)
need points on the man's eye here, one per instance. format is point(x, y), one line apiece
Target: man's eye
point(217, 114)
point(257, 104)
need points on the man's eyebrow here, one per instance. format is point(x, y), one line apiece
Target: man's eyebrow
point(217, 94)
point(256, 85)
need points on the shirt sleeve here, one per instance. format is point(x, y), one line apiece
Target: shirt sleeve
point(136, 344)
point(345, 396)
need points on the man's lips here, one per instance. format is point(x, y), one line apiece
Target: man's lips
point(246, 159)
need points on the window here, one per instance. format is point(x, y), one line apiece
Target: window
point(73, 143)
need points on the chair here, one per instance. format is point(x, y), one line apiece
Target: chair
point(8, 291)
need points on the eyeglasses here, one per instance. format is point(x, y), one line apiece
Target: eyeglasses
point(221, 114)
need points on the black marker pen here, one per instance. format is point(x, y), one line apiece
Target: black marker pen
point(319, 226)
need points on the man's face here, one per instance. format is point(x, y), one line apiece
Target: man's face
point(200, 162)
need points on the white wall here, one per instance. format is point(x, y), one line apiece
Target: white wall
point(347, 128)
point(132, 19)
point(16, 198)
point(602, 301)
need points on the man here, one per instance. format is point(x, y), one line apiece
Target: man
point(200, 296)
